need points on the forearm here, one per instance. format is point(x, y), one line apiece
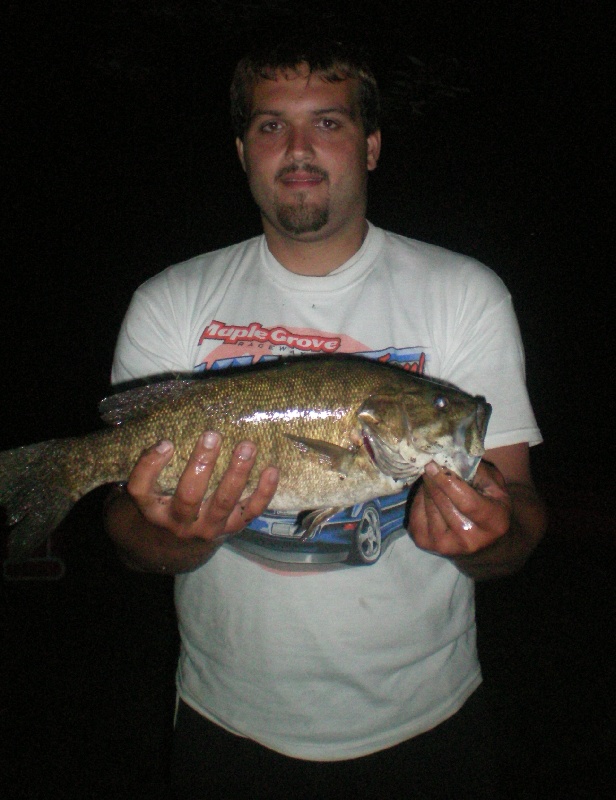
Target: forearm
point(508, 553)
point(145, 547)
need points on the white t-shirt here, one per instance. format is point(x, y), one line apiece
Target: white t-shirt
point(332, 661)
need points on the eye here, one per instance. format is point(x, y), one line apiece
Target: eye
point(440, 402)
point(270, 127)
point(328, 124)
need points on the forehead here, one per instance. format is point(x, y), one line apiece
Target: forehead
point(296, 87)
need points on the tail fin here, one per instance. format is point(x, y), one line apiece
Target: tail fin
point(34, 492)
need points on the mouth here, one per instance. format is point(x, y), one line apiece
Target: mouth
point(465, 464)
point(471, 431)
point(467, 445)
point(301, 178)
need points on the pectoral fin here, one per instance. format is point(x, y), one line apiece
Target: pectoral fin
point(337, 458)
point(315, 518)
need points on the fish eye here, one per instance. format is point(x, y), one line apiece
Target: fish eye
point(440, 402)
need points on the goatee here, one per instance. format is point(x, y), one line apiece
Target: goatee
point(297, 219)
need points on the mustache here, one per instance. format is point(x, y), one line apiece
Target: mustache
point(309, 168)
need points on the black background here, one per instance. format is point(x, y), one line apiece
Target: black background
point(119, 160)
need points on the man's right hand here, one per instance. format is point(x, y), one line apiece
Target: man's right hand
point(177, 533)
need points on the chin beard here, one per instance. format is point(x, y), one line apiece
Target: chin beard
point(300, 218)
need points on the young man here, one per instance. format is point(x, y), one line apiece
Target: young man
point(307, 681)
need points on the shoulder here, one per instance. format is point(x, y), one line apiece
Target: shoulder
point(187, 276)
point(434, 258)
point(436, 266)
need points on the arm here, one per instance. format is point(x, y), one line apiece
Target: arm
point(178, 533)
point(488, 529)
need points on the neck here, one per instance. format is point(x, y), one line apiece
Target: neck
point(309, 254)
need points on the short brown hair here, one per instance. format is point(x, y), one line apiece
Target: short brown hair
point(332, 60)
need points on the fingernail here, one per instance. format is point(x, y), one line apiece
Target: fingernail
point(271, 475)
point(164, 447)
point(431, 468)
point(210, 440)
point(245, 452)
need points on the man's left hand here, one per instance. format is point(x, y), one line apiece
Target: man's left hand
point(453, 518)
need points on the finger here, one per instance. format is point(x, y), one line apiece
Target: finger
point(459, 502)
point(194, 481)
point(232, 485)
point(436, 527)
point(489, 481)
point(426, 524)
point(441, 480)
point(471, 518)
point(458, 532)
point(246, 510)
point(143, 478)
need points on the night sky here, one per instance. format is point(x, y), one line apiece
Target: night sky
point(119, 160)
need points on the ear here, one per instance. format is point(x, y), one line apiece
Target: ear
point(374, 150)
point(239, 146)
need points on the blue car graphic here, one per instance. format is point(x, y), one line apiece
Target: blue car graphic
point(355, 535)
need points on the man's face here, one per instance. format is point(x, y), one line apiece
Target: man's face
point(306, 155)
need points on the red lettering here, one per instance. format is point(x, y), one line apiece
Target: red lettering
point(231, 334)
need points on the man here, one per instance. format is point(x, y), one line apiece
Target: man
point(313, 681)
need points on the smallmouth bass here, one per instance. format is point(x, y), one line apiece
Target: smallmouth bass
point(341, 431)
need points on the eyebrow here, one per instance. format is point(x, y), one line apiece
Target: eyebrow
point(344, 110)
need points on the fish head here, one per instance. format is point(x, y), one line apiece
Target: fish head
point(403, 430)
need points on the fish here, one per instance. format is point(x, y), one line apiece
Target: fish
point(341, 431)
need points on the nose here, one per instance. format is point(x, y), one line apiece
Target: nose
point(299, 143)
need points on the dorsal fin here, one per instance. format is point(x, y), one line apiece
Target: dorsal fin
point(138, 402)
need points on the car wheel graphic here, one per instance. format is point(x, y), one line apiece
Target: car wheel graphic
point(368, 537)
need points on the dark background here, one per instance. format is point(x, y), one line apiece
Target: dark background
point(119, 160)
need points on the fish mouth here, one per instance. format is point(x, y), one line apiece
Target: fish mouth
point(468, 441)
point(463, 464)
point(466, 449)
point(480, 418)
